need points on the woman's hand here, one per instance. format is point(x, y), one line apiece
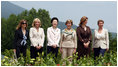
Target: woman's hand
point(93, 49)
point(85, 45)
point(14, 50)
point(88, 43)
point(107, 49)
point(54, 46)
point(61, 50)
point(74, 50)
point(38, 47)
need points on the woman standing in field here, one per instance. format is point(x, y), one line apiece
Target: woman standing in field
point(21, 35)
point(84, 36)
point(68, 42)
point(37, 37)
point(53, 36)
point(100, 40)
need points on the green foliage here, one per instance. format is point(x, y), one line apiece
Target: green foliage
point(109, 59)
point(8, 53)
point(7, 32)
point(112, 42)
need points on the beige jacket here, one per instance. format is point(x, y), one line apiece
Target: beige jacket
point(101, 39)
point(68, 41)
point(36, 38)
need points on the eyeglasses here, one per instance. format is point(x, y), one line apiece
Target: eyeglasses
point(23, 23)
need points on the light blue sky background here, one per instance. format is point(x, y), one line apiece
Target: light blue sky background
point(76, 9)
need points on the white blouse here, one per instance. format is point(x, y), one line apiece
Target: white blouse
point(101, 39)
point(53, 36)
point(37, 37)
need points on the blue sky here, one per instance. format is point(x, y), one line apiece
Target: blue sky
point(105, 10)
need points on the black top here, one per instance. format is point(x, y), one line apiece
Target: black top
point(18, 37)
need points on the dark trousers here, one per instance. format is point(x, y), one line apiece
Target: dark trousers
point(98, 51)
point(34, 52)
point(50, 49)
point(82, 51)
point(21, 49)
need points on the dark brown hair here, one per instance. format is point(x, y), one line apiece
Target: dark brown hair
point(100, 21)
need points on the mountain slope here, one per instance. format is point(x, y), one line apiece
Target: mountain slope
point(8, 8)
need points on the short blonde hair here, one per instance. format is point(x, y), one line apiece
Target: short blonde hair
point(35, 20)
point(69, 21)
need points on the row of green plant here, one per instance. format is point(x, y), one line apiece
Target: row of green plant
point(109, 59)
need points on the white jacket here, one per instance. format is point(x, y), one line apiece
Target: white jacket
point(37, 38)
point(101, 39)
point(53, 36)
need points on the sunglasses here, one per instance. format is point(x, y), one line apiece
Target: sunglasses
point(23, 23)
